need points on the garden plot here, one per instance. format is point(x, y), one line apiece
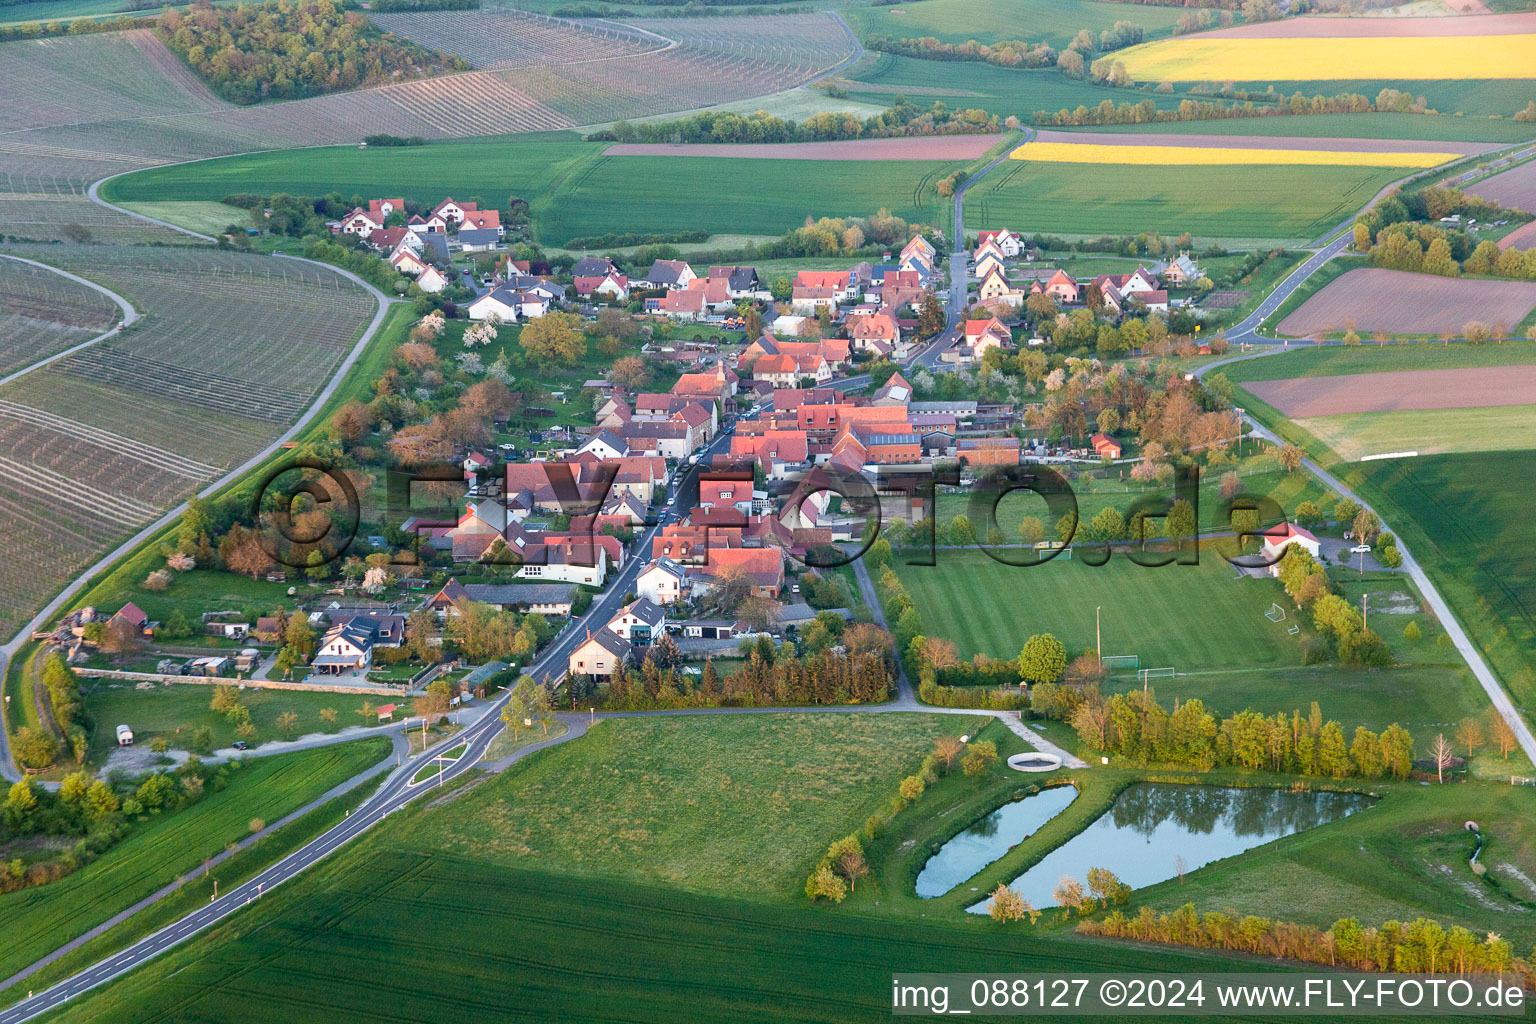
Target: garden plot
point(42, 313)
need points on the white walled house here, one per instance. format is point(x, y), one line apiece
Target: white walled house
point(663, 582)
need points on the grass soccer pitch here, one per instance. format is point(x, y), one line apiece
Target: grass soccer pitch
point(1321, 59)
point(1090, 153)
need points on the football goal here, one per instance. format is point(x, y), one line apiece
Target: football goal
point(1044, 548)
point(1275, 613)
point(1166, 672)
point(1114, 661)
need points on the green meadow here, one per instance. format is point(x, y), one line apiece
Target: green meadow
point(1233, 202)
point(1348, 126)
point(573, 189)
point(1054, 22)
point(36, 921)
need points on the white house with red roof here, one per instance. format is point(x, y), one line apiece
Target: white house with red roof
point(1278, 538)
point(1008, 243)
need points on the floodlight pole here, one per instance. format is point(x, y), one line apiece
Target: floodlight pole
point(1098, 640)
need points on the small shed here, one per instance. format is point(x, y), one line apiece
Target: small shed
point(386, 712)
point(124, 736)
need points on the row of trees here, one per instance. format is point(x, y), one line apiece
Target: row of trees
point(1341, 629)
point(1104, 889)
point(1421, 946)
point(900, 119)
point(1135, 725)
point(1146, 111)
point(840, 868)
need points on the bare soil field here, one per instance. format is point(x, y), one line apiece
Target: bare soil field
point(938, 147)
point(1402, 303)
point(1514, 188)
point(1330, 145)
point(1349, 28)
point(1464, 388)
point(1520, 238)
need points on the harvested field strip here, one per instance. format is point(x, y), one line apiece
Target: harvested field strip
point(1467, 388)
point(950, 147)
point(161, 458)
point(59, 488)
point(1187, 136)
point(1426, 431)
point(1355, 28)
point(1090, 153)
point(1193, 59)
point(1521, 238)
point(1370, 299)
point(1515, 187)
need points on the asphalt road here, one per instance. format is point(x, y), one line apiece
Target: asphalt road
point(395, 792)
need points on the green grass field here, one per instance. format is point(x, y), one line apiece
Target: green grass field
point(698, 805)
point(1473, 97)
point(1427, 431)
point(1050, 21)
point(1335, 360)
point(1347, 126)
point(175, 712)
point(1233, 202)
point(573, 189)
point(34, 922)
point(879, 78)
point(1191, 617)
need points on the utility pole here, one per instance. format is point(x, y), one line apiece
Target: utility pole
point(1098, 639)
point(1365, 615)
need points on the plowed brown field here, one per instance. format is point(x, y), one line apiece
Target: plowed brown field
point(1465, 388)
point(1404, 303)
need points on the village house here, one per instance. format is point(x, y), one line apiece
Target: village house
point(345, 647)
point(1062, 287)
point(639, 622)
point(551, 599)
point(479, 239)
point(1008, 243)
point(613, 286)
point(1278, 538)
point(670, 274)
point(599, 655)
point(740, 282)
point(1104, 446)
point(877, 333)
point(506, 305)
point(1181, 272)
point(663, 582)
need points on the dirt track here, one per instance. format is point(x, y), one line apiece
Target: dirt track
point(1402, 303)
point(937, 147)
point(1267, 142)
point(1469, 388)
point(1515, 187)
point(1335, 28)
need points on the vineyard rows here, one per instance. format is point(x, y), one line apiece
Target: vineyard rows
point(131, 487)
point(46, 547)
point(149, 454)
point(70, 79)
point(42, 313)
point(497, 38)
point(218, 438)
point(813, 41)
point(57, 489)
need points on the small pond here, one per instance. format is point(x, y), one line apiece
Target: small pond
point(1152, 830)
point(990, 838)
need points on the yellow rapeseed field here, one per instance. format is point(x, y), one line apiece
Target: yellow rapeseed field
point(1092, 153)
point(1286, 60)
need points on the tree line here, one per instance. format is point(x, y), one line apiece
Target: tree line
point(856, 671)
point(253, 52)
point(1147, 111)
point(1421, 946)
point(899, 120)
point(1401, 233)
point(1135, 725)
point(1074, 62)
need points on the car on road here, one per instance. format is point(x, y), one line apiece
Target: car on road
point(241, 745)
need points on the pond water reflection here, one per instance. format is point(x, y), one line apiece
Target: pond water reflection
point(990, 838)
point(1153, 830)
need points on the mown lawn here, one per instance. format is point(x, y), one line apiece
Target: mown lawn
point(1236, 202)
point(1335, 360)
point(698, 803)
point(1426, 431)
point(34, 922)
point(1190, 617)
